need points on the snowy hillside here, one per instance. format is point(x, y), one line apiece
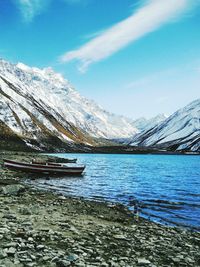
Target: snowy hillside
point(143, 124)
point(40, 109)
point(181, 131)
point(39, 102)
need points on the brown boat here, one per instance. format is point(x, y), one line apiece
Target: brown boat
point(62, 160)
point(45, 167)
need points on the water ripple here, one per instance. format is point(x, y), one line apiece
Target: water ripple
point(167, 187)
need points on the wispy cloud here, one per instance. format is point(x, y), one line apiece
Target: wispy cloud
point(152, 15)
point(32, 8)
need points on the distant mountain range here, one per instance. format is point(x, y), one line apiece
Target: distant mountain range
point(41, 110)
point(179, 132)
point(143, 124)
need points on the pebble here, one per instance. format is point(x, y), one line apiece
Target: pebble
point(25, 211)
point(3, 254)
point(4, 230)
point(72, 257)
point(10, 251)
point(63, 263)
point(143, 261)
point(40, 247)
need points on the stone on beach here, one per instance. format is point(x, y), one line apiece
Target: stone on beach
point(143, 261)
point(13, 189)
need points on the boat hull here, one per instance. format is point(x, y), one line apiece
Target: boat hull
point(63, 160)
point(44, 169)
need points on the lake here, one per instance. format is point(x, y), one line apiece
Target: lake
point(166, 187)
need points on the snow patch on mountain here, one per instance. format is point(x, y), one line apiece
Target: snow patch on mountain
point(181, 131)
point(143, 124)
point(52, 92)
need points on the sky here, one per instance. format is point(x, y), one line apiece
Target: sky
point(136, 58)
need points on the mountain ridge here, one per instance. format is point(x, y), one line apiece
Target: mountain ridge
point(39, 106)
point(41, 110)
point(143, 124)
point(180, 131)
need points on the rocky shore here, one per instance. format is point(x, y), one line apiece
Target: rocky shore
point(40, 228)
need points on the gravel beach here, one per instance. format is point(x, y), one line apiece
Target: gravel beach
point(40, 228)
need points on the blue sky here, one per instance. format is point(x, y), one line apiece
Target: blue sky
point(135, 58)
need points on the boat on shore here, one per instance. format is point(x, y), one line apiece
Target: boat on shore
point(62, 160)
point(44, 167)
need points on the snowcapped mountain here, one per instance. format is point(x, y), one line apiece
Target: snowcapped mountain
point(181, 131)
point(39, 104)
point(143, 124)
point(41, 110)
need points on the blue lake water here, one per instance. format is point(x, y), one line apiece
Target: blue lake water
point(167, 187)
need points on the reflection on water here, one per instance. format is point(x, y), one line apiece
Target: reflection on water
point(166, 186)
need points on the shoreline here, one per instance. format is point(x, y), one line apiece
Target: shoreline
point(41, 228)
point(143, 216)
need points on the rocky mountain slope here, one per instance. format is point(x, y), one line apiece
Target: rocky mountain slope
point(143, 124)
point(39, 109)
point(42, 110)
point(180, 132)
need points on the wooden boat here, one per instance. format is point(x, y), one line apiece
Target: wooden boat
point(45, 167)
point(62, 160)
point(69, 161)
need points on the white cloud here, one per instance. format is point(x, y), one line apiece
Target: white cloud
point(152, 15)
point(32, 8)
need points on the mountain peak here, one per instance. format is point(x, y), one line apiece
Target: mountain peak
point(22, 66)
point(29, 93)
point(180, 131)
point(144, 124)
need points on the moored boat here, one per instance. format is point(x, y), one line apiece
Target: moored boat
point(45, 167)
point(62, 160)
